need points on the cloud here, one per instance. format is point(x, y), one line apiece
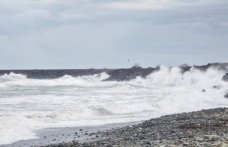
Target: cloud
point(156, 4)
point(104, 33)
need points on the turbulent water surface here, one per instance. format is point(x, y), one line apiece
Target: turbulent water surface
point(27, 105)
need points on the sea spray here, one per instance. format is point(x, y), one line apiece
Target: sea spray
point(28, 104)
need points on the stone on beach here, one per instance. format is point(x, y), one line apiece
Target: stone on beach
point(202, 128)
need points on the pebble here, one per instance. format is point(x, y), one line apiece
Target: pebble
point(202, 128)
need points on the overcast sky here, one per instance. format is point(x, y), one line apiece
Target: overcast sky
point(37, 34)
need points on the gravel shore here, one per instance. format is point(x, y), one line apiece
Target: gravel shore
point(202, 128)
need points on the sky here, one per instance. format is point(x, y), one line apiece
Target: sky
point(50, 34)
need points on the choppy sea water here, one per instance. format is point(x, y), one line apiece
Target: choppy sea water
point(27, 105)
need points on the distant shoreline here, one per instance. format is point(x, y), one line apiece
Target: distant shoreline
point(121, 74)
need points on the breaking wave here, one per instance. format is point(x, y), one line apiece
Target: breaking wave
point(27, 105)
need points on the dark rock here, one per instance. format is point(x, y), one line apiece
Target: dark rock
point(129, 74)
point(148, 142)
point(141, 137)
point(184, 68)
point(91, 134)
point(203, 90)
point(219, 66)
point(80, 129)
point(74, 142)
point(216, 87)
point(226, 96)
point(225, 77)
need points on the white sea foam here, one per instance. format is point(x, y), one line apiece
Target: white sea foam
point(27, 105)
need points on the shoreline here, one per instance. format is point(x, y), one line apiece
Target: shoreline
point(199, 128)
point(66, 134)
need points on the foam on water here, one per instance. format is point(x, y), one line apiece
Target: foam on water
point(27, 105)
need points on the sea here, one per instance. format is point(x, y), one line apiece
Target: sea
point(31, 104)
